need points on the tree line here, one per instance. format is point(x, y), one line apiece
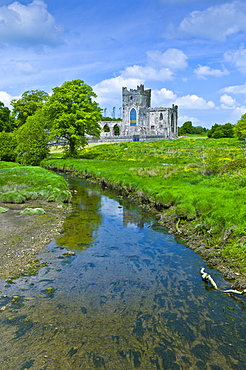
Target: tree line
point(217, 131)
point(70, 113)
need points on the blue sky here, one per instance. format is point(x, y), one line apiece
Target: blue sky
point(190, 53)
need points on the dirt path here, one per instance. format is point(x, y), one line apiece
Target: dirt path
point(23, 236)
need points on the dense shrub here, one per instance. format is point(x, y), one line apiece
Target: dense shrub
point(32, 141)
point(220, 131)
point(7, 146)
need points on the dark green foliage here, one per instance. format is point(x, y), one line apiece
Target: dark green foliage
point(32, 140)
point(6, 122)
point(220, 131)
point(8, 145)
point(27, 105)
point(110, 119)
point(188, 128)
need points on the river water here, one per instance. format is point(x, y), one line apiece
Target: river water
point(119, 292)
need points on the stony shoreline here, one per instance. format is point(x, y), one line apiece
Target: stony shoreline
point(22, 236)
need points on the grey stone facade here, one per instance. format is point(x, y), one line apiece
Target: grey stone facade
point(140, 122)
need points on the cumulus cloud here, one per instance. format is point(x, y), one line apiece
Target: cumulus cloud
point(173, 59)
point(237, 89)
point(206, 71)
point(109, 91)
point(163, 97)
point(216, 22)
point(227, 102)
point(194, 102)
point(238, 112)
point(183, 119)
point(157, 68)
point(28, 25)
point(6, 98)
point(237, 58)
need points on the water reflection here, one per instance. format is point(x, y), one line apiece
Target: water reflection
point(81, 226)
point(133, 299)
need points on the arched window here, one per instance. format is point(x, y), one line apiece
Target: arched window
point(133, 117)
point(161, 116)
point(106, 128)
point(116, 130)
point(172, 123)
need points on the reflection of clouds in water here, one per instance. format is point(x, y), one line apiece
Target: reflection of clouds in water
point(111, 207)
point(130, 217)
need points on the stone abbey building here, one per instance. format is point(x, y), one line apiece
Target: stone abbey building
point(140, 122)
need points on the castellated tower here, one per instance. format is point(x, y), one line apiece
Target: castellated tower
point(135, 110)
point(140, 122)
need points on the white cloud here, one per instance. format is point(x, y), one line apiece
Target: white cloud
point(238, 112)
point(174, 59)
point(182, 119)
point(194, 102)
point(162, 97)
point(205, 71)
point(227, 102)
point(216, 22)
point(5, 98)
point(28, 25)
point(147, 73)
point(109, 91)
point(237, 58)
point(237, 89)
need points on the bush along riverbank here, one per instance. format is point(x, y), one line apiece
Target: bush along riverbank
point(196, 187)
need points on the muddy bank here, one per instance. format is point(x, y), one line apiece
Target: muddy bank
point(22, 236)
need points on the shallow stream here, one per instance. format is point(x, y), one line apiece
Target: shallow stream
point(119, 292)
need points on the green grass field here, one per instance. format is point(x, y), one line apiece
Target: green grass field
point(201, 182)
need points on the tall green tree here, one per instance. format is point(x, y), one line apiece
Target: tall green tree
point(72, 114)
point(186, 128)
point(27, 105)
point(32, 140)
point(240, 127)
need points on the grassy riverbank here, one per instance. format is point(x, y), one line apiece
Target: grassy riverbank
point(199, 184)
point(21, 183)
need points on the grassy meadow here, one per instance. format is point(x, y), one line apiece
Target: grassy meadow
point(199, 182)
point(21, 183)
